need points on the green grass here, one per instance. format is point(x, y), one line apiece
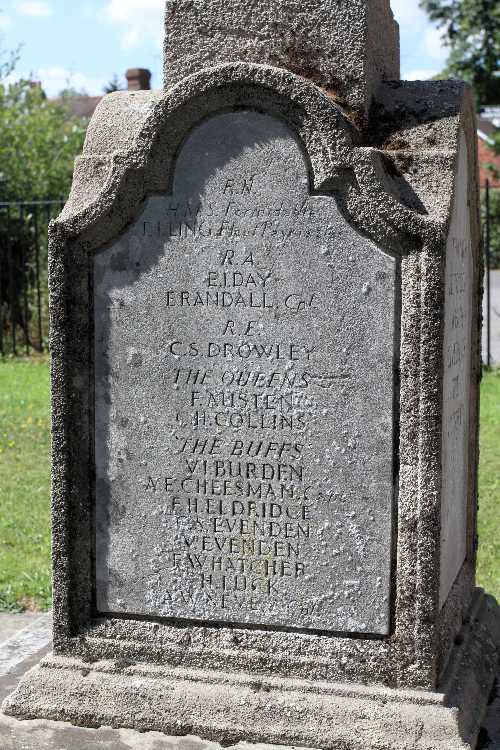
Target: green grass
point(488, 571)
point(24, 485)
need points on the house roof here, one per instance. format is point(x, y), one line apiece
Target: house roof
point(488, 124)
point(492, 114)
point(485, 128)
point(138, 79)
point(80, 106)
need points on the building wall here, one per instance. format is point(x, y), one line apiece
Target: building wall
point(488, 156)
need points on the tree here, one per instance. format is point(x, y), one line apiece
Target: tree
point(39, 140)
point(70, 92)
point(115, 84)
point(38, 144)
point(8, 62)
point(472, 31)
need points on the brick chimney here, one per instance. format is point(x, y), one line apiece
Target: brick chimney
point(138, 79)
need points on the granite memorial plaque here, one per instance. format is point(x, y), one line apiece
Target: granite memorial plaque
point(244, 359)
point(265, 342)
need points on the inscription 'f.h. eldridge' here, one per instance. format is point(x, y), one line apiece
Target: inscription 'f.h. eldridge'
point(244, 363)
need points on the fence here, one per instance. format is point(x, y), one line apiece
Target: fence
point(24, 318)
point(487, 356)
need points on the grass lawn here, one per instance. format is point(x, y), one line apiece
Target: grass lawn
point(488, 572)
point(24, 485)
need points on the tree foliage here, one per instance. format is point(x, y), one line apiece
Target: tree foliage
point(472, 31)
point(38, 144)
point(115, 84)
point(39, 140)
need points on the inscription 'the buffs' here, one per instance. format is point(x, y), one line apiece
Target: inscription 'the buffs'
point(244, 390)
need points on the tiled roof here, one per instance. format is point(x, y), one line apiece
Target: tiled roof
point(489, 160)
point(80, 106)
point(485, 127)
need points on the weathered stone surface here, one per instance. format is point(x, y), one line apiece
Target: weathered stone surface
point(459, 299)
point(30, 637)
point(245, 364)
point(231, 706)
point(58, 735)
point(10, 623)
point(345, 46)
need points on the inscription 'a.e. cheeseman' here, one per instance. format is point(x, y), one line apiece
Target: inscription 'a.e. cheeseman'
point(244, 390)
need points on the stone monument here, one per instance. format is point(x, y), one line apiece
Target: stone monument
point(265, 292)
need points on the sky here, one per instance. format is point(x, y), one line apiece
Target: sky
point(84, 43)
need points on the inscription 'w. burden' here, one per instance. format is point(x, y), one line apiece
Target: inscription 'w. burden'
point(244, 376)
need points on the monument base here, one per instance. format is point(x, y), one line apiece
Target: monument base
point(232, 707)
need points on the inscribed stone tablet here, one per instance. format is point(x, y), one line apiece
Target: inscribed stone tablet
point(244, 388)
point(456, 383)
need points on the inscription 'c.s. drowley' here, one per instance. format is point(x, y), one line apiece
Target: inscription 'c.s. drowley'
point(244, 357)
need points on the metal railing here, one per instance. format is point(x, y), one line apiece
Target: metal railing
point(487, 269)
point(24, 316)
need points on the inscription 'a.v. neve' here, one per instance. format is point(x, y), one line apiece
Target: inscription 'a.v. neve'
point(244, 365)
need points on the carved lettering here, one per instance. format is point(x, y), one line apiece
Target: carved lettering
point(255, 467)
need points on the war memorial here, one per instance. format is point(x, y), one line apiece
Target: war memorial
point(265, 293)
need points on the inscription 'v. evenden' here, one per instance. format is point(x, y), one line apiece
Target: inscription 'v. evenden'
point(244, 377)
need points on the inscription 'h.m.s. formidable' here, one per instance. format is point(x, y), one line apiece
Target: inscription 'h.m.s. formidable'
point(244, 365)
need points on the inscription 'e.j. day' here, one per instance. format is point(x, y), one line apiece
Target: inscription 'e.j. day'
point(244, 365)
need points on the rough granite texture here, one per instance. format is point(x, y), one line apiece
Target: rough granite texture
point(459, 281)
point(393, 180)
point(345, 46)
point(230, 707)
point(44, 734)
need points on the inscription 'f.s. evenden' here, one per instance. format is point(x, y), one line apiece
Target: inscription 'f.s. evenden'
point(244, 375)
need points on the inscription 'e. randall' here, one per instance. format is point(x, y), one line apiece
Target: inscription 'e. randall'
point(243, 466)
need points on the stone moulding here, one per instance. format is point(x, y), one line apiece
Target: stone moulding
point(129, 154)
point(229, 707)
point(113, 159)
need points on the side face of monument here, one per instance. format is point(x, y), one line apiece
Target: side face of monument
point(265, 396)
point(457, 366)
